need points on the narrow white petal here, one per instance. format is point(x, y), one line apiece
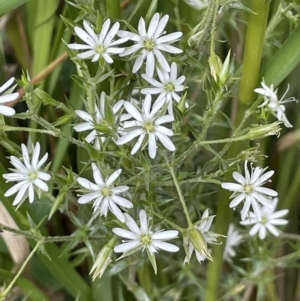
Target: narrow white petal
point(166, 141)
point(125, 247)
point(116, 211)
point(165, 235)
point(138, 144)
point(88, 197)
point(165, 246)
point(21, 194)
point(254, 229)
point(7, 111)
point(144, 221)
point(40, 184)
point(273, 229)
point(124, 233)
point(130, 136)
point(266, 191)
point(97, 175)
point(238, 177)
point(262, 232)
point(131, 224)
point(7, 84)
point(113, 177)
point(232, 187)
point(152, 146)
point(87, 184)
point(121, 201)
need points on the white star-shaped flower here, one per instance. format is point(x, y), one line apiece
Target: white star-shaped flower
point(271, 101)
point(104, 194)
point(150, 44)
point(233, 239)
point(28, 174)
point(91, 123)
point(250, 190)
point(209, 237)
point(141, 238)
point(167, 88)
point(146, 124)
point(98, 45)
point(7, 97)
point(269, 219)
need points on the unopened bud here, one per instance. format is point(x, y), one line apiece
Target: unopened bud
point(199, 243)
point(264, 130)
point(103, 259)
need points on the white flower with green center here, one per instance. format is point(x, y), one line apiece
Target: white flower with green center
point(98, 45)
point(271, 101)
point(168, 87)
point(7, 97)
point(269, 220)
point(249, 190)
point(28, 174)
point(104, 194)
point(150, 44)
point(143, 238)
point(233, 239)
point(209, 237)
point(99, 118)
point(146, 124)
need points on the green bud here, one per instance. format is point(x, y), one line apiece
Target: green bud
point(63, 120)
point(264, 130)
point(199, 242)
point(220, 72)
point(103, 259)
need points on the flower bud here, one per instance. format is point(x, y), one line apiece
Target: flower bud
point(103, 259)
point(264, 130)
point(199, 243)
point(221, 72)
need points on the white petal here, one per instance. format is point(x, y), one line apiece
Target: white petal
point(262, 232)
point(236, 200)
point(7, 84)
point(125, 247)
point(97, 175)
point(116, 211)
point(138, 144)
point(172, 37)
point(124, 233)
point(40, 184)
point(165, 246)
point(150, 64)
point(9, 97)
point(21, 194)
point(128, 137)
point(254, 229)
point(88, 197)
point(266, 191)
point(273, 229)
point(7, 111)
point(87, 184)
point(153, 25)
point(131, 224)
point(152, 146)
point(144, 221)
point(164, 235)
point(113, 177)
point(166, 141)
point(131, 109)
point(121, 201)
point(238, 177)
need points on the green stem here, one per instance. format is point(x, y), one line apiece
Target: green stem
point(7, 290)
point(180, 195)
point(253, 50)
point(250, 76)
point(7, 128)
point(49, 239)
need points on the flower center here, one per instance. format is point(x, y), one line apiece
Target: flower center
point(100, 49)
point(106, 191)
point(149, 127)
point(145, 239)
point(149, 45)
point(248, 188)
point(169, 87)
point(32, 175)
point(264, 220)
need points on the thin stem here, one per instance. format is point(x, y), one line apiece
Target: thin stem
point(7, 128)
point(7, 290)
point(49, 239)
point(181, 198)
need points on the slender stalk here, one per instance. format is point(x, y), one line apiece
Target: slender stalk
point(180, 195)
point(250, 76)
point(7, 290)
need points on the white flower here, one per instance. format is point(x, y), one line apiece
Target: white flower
point(269, 220)
point(197, 4)
point(209, 237)
point(99, 118)
point(104, 195)
point(28, 175)
point(98, 45)
point(250, 190)
point(7, 97)
point(276, 106)
point(143, 238)
point(233, 239)
point(146, 123)
point(167, 87)
point(149, 44)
